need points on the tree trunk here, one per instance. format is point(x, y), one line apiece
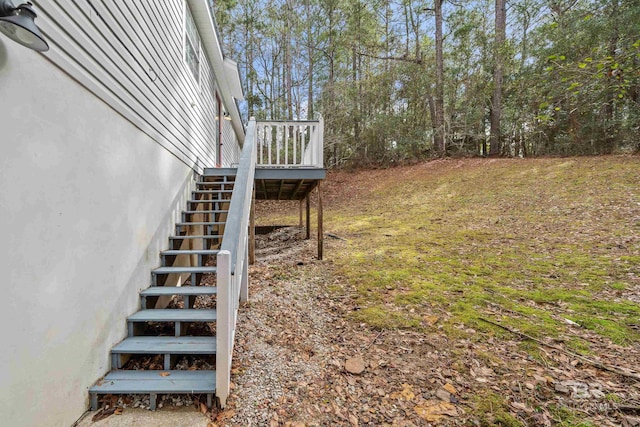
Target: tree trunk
point(288, 60)
point(438, 137)
point(608, 137)
point(498, 51)
point(311, 49)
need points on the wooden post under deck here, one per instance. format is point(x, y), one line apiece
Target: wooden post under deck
point(252, 229)
point(301, 202)
point(320, 219)
point(308, 216)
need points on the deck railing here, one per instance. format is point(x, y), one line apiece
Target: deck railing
point(233, 263)
point(290, 144)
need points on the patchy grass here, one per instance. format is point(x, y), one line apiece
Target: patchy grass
point(527, 242)
point(547, 247)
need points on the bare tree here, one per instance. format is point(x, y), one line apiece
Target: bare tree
point(498, 63)
point(438, 123)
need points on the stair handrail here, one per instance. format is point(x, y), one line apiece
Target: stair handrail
point(239, 207)
point(233, 263)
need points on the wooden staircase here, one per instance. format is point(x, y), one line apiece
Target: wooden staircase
point(207, 260)
point(183, 276)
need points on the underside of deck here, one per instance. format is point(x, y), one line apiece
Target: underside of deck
point(286, 184)
point(281, 183)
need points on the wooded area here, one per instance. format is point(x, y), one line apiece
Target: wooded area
point(401, 80)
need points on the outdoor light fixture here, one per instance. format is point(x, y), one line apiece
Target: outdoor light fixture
point(17, 24)
point(227, 116)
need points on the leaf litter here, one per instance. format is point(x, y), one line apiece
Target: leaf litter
point(311, 352)
point(303, 324)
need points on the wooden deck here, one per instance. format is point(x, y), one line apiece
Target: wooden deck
point(286, 183)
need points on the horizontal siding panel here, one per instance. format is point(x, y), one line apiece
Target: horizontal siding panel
point(163, 97)
point(130, 54)
point(230, 147)
point(93, 77)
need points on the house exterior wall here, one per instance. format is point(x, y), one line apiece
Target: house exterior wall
point(230, 148)
point(131, 55)
point(100, 142)
point(87, 202)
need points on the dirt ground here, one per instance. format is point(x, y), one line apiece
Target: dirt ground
point(300, 362)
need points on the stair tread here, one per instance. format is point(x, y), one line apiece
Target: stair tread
point(215, 182)
point(206, 212)
point(212, 191)
point(155, 291)
point(174, 315)
point(209, 236)
point(163, 345)
point(176, 252)
point(186, 269)
point(125, 382)
point(200, 223)
point(220, 172)
point(221, 184)
point(204, 201)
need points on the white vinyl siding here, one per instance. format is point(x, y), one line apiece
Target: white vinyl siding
point(230, 148)
point(131, 55)
point(192, 45)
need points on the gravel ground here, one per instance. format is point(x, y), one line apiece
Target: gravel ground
point(283, 342)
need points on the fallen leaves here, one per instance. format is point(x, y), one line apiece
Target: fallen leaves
point(406, 393)
point(482, 374)
point(354, 365)
point(433, 410)
point(476, 375)
point(106, 412)
point(451, 389)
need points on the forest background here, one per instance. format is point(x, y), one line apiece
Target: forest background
point(402, 80)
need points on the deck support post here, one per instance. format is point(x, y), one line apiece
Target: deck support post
point(301, 209)
point(252, 229)
point(320, 225)
point(225, 307)
point(308, 200)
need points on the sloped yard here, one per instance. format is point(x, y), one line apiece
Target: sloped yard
point(465, 292)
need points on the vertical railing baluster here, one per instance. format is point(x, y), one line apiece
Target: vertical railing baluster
point(286, 144)
point(270, 143)
point(295, 134)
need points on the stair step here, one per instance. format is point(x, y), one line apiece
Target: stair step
point(177, 252)
point(209, 201)
point(211, 191)
point(168, 257)
point(212, 236)
point(220, 172)
point(154, 383)
point(182, 224)
point(212, 183)
point(158, 291)
point(166, 345)
point(174, 315)
point(206, 212)
point(180, 270)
